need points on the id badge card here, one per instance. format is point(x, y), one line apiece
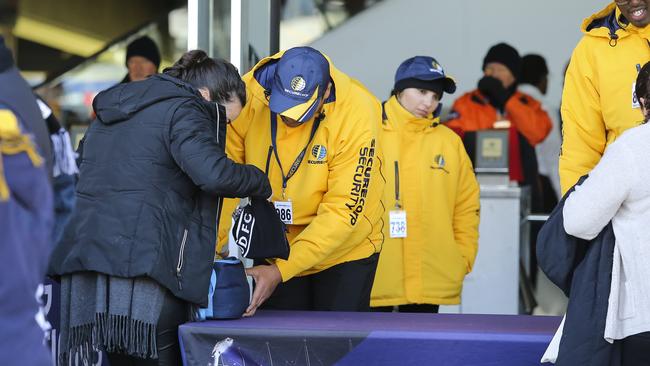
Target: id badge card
point(285, 211)
point(397, 222)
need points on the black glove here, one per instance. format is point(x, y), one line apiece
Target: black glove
point(493, 89)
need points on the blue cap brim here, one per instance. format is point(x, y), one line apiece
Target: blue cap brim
point(292, 108)
point(450, 84)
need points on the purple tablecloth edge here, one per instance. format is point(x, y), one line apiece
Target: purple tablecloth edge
point(390, 322)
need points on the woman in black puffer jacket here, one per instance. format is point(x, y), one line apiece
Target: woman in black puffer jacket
point(137, 254)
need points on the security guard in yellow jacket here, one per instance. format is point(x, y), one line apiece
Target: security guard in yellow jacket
point(431, 195)
point(598, 102)
point(314, 130)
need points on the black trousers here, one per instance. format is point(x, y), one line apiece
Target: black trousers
point(408, 308)
point(344, 287)
point(174, 313)
point(635, 350)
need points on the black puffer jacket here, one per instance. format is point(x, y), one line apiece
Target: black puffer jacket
point(152, 172)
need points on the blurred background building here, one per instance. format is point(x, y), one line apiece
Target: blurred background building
point(71, 49)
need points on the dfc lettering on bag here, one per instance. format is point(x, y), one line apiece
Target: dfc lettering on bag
point(245, 230)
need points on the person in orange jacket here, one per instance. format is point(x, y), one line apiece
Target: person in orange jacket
point(497, 99)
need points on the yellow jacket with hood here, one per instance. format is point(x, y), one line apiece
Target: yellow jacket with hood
point(336, 191)
point(440, 194)
point(598, 103)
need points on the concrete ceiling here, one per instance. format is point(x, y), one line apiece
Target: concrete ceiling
point(50, 34)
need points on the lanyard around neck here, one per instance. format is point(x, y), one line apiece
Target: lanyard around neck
point(301, 155)
point(397, 203)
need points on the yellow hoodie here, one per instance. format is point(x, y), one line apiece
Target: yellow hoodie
point(336, 191)
point(440, 194)
point(597, 102)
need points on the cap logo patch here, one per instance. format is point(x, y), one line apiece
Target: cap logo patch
point(435, 67)
point(298, 83)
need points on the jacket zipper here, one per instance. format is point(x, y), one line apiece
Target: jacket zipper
point(218, 123)
point(181, 253)
point(220, 200)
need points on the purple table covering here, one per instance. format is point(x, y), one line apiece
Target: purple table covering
point(325, 338)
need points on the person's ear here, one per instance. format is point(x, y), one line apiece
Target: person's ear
point(328, 91)
point(205, 93)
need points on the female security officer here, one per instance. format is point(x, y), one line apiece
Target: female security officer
point(137, 255)
point(431, 196)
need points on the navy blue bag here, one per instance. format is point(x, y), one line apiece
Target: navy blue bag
point(229, 293)
point(558, 253)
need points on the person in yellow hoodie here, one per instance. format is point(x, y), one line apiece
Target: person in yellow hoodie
point(598, 101)
point(314, 130)
point(431, 193)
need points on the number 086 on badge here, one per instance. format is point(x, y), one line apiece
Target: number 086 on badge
point(285, 211)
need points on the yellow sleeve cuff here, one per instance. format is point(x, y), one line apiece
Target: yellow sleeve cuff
point(287, 270)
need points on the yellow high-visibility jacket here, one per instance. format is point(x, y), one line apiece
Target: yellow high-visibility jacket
point(440, 194)
point(597, 101)
point(336, 191)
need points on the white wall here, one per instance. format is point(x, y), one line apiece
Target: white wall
point(458, 34)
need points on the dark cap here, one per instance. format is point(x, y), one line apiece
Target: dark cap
point(258, 231)
point(423, 72)
point(6, 59)
point(145, 47)
point(506, 55)
point(533, 69)
point(299, 84)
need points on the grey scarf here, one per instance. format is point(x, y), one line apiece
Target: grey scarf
point(113, 314)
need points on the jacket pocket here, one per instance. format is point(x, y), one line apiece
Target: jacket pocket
point(181, 259)
point(459, 270)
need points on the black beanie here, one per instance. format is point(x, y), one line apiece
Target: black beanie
point(437, 86)
point(533, 69)
point(145, 47)
point(6, 59)
point(504, 54)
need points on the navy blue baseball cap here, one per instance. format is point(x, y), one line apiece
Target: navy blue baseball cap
point(423, 68)
point(299, 84)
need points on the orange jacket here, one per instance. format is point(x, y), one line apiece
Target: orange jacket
point(472, 112)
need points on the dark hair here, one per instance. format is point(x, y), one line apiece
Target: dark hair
point(533, 69)
point(219, 76)
point(642, 89)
